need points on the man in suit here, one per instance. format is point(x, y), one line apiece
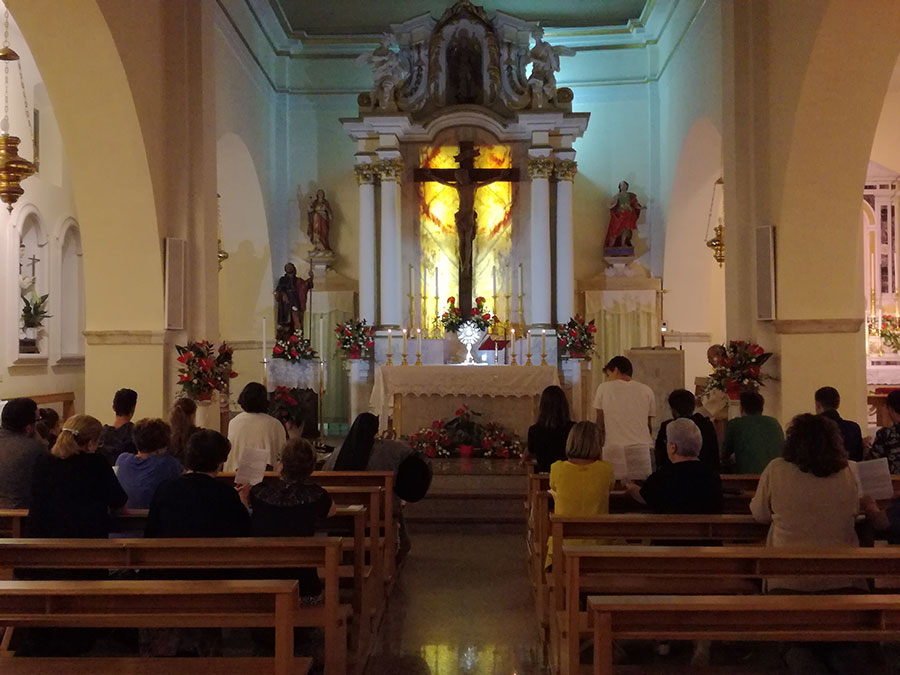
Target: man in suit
point(828, 400)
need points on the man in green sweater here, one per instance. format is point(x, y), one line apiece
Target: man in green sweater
point(753, 439)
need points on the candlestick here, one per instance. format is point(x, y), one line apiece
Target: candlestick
point(437, 285)
point(389, 354)
point(528, 346)
point(543, 347)
point(437, 319)
point(418, 346)
point(404, 348)
point(512, 356)
point(496, 353)
point(508, 322)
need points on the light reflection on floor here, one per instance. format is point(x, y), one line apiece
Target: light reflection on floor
point(463, 606)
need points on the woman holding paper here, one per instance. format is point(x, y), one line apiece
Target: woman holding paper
point(254, 428)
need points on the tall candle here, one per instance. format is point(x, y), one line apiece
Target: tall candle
point(494, 279)
point(521, 280)
point(543, 342)
point(389, 343)
point(265, 353)
point(496, 354)
point(418, 340)
point(513, 343)
point(412, 290)
point(508, 280)
point(437, 292)
point(404, 342)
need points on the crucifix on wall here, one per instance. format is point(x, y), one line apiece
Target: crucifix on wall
point(466, 180)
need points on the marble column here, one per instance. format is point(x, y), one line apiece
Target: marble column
point(365, 175)
point(390, 169)
point(565, 253)
point(540, 167)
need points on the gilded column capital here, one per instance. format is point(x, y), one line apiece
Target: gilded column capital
point(540, 167)
point(566, 169)
point(390, 169)
point(365, 173)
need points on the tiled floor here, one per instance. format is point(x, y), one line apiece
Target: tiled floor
point(463, 605)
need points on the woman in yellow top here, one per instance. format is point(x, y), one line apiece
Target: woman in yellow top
point(580, 485)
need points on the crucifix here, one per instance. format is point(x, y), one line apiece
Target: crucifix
point(34, 260)
point(466, 179)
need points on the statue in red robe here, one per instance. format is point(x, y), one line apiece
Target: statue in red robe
point(624, 211)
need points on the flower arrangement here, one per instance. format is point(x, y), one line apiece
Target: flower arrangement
point(434, 441)
point(482, 317)
point(466, 436)
point(739, 369)
point(888, 330)
point(284, 404)
point(355, 338)
point(577, 336)
point(451, 319)
point(204, 369)
point(294, 348)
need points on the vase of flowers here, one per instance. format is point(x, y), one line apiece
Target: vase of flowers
point(483, 318)
point(498, 442)
point(887, 330)
point(739, 370)
point(204, 369)
point(34, 311)
point(355, 338)
point(294, 348)
point(576, 338)
point(452, 318)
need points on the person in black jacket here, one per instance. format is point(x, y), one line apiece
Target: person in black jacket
point(828, 400)
point(682, 403)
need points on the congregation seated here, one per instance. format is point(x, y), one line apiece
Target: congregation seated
point(581, 483)
point(682, 403)
point(810, 497)
point(19, 452)
point(74, 488)
point(291, 507)
point(887, 439)
point(547, 437)
point(685, 484)
point(753, 439)
point(828, 400)
point(182, 422)
point(195, 504)
point(140, 474)
point(48, 426)
point(254, 427)
point(117, 438)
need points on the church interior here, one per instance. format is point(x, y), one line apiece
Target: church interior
point(432, 211)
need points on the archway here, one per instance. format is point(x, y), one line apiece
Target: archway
point(113, 192)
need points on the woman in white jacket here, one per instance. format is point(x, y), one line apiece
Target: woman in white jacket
point(254, 428)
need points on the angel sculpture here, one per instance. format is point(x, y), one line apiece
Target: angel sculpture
point(544, 59)
point(388, 70)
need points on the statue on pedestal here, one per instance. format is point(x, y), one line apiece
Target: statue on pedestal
point(291, 295)
point(544, 66)
point(624, 211)
point(318, 227)
point(388, 71)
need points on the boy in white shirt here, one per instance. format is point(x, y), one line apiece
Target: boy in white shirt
point(625, 412)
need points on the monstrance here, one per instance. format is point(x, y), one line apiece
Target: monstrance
point(469, 334)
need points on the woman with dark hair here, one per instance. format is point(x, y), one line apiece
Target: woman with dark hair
point(254, 428)
point(182, 420)
point(140, 474)
point(810, 497)
point(547, 438)
point(48, 426)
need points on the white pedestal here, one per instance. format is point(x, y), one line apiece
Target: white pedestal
point(361, 376)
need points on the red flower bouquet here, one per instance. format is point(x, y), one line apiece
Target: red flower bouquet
point(204, 369)
point(294, 348)
point(452, 318)
point(355, 338)
point(576, 337)
point(740, 369)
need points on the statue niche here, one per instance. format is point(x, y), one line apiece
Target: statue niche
point(465, 78)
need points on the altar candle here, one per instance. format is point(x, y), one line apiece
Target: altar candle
point(419, 341)
point(508, 280)
point(521, 280)
point(496, 354)
point(437, 293)
point(494, 279)
point(404, 342)
point(543, 342)
point(412, 290)
point(513, 343)
point(265, 355)
point(389, 343)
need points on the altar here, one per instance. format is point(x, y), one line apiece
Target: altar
point(416, 395)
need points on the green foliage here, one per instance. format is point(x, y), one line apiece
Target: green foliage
point(35, 311)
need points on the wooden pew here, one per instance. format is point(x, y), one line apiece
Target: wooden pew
point(67, 398)
point(667, 570)
point(748, 483)
point(204, 554)
point(155, 604)
point(819, 618)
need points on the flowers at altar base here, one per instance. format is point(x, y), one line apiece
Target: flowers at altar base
point(888, 329)
point(482, 317)
point(451, 319)
point(204, 368)
point(433, 441)
point(355, 338)
point(294, 348)
point(740, 369)
point(577, 336)
point(284, 404)
point(463, 428)
point(496, 441)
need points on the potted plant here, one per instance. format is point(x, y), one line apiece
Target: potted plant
point(34, 311)
point(576, 338)
point(355, 338)
point(465, 432)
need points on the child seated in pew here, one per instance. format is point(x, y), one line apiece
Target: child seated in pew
point(291, 507)
point(580, 484)
point(141, 473)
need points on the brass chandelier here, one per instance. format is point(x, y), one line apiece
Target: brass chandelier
point(13, 169)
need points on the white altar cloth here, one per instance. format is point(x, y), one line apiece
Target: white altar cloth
point(505, 394)
point(297, 374)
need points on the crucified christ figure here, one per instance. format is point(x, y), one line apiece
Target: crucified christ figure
point(466, 179)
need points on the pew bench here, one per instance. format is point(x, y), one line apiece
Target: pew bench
point(155, 604)
point(205, 554)
point(778, 618)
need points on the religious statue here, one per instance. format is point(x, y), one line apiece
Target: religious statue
point(464, 61)
point(544, 59)
point(388, 70)
point(290, 300)
point(318, 227)
point(624, 210)
point(466, 179)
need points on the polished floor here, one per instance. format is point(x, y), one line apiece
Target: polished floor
point(462, 605)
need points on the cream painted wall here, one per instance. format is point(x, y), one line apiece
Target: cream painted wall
point(886, 146)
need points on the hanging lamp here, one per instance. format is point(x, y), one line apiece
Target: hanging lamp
point(13, 169)
point(717, 243)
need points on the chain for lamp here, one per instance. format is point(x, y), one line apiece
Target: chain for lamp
point(4, 124)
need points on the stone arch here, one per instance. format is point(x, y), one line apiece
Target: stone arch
point(111, 183)
point(694, 281)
